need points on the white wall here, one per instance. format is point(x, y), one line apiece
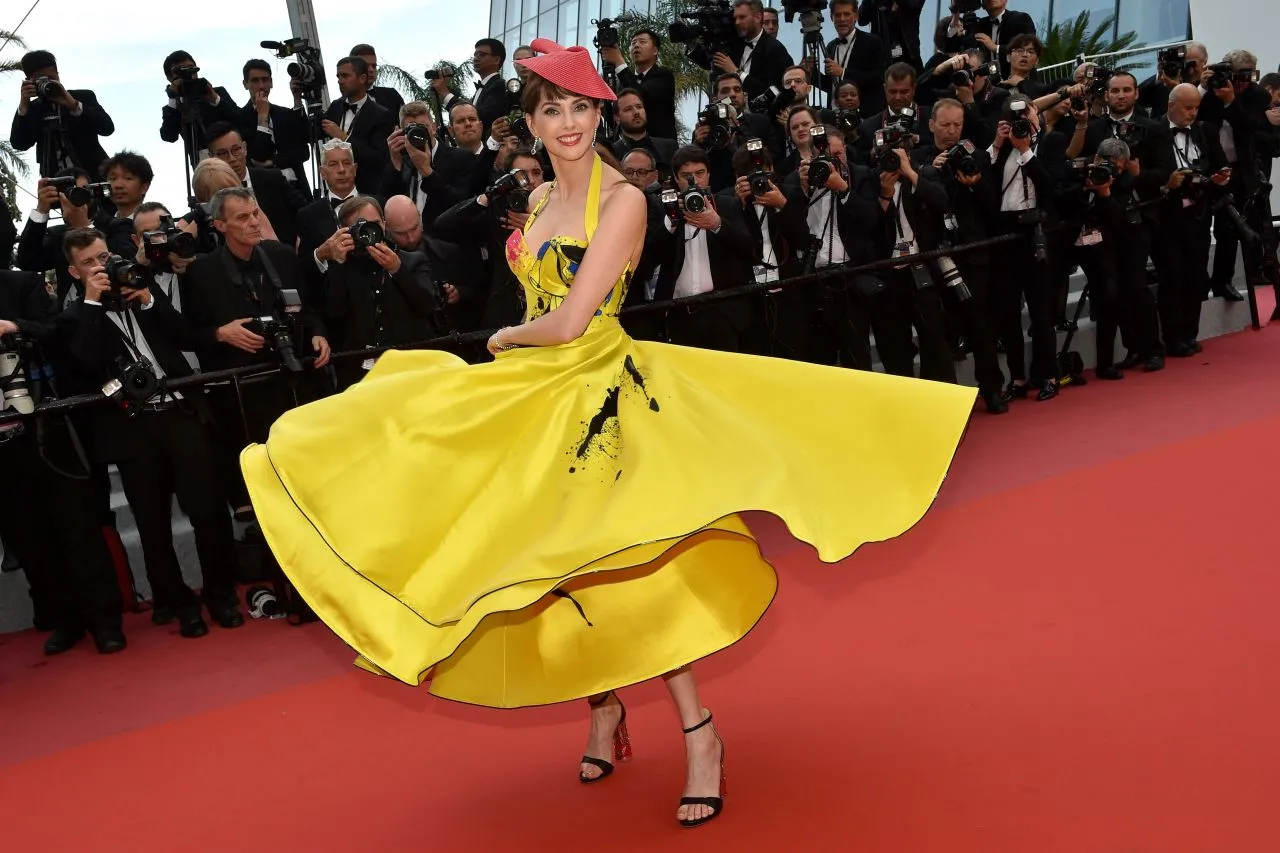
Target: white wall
point(1248, 24)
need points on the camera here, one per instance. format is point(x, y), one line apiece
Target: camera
point(791, 8)
point(822, 165)
point(759, 178)
point(418, 135)
point(516, 118)
point(708, 25)
point(952, 281)
point(670, 198)
point(773, 102)
point(1131, 134)
point(307, 70)
point(1078, 103)
point(1172, 60)
point(693, 198)
point(284, 333)
point(13, 377)
point(48, 89)
point(190, 85)
point(78, 195)
point(1096, 78)
point(849, 123)
point(1097, 174)
point(607, 31)
point(509, 192)
point(123, 272)
point(960, 159)
point(135, 382)
point(441, 70)
point(364, 234)
point(888, 140)
point(167, 240)
point(1019, 124)
point(966, 77)
point(721, 118)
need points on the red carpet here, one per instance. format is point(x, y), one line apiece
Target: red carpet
point(1075, 651)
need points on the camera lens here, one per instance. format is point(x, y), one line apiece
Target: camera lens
point(417, 135)
point(819, 173)
point(365, 234)
point(78, 196)
point(695, 201)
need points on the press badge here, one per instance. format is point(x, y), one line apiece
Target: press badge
point(367, 364)
point(1089, 237)
point(896, 53)
point(904, 247)
point(949, 222)
point(764, 275)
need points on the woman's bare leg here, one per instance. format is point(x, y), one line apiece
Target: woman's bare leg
point(604, 719)
point(703, 750)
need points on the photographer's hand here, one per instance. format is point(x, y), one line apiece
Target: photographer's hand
point(47, 196)
point(8, 327)
point(707, 220)
point(969, 180)
point(1022, 146)
point(180, 264)
point(613, 56)
point(1003, 129)
point(1222, 177)
point(908, 170)
point(210, 95)
point(514, 220)
point(773, 198)
point(28, 94)
point(337, 247)
point(700, 134)
point(500, 130)
point(451, 294)
point(235, 334)
point(333, 130)
point(396, 145)
point(724, 63)
point(421, 159)
point(985, 40)
point(440, 86)
point(97, 285)
point(1177, 178)
point(385, 257)
point(742, 189)
point(262, 106)
point(321, 346)
point(832, 69)
point(144, 295)
point(1273, 116)
point(940, 160)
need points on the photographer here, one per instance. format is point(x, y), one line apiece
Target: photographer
point(436, 177)
point(997, 31)
point(1181, 64)
point(164, 445)
point(193, 105)
point(725, 124)
point(361, 122)
point(50, 515)
point(1026, 190)
point(166, 247)
point(897, 24)
point(278, 137)
point(634, 131)
point(382, 295)
point(63, 124)
point(970, 80)
point(464, 274)
point(277, 198)
point(490, 96)
point(318, 221)
point(701, 249)
point(756, 57)
point(840, 224)
point(1024, 56)
point(656, 85)
point(40, 247)
point(779, 232)
point(854, 55)
point(387, 98)
point(1181, 247)
point(972, 202)
point(130, 176)
point(902, 111)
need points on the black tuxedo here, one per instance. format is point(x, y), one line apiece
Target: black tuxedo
point(279, 201)
point(289, 149)
point(662, 149)
point(389, 99)
point(658, 91)
point(171, 122)
point(451, 180)
point(8, 239)
point(1154, 154)
point(368, 137)
point(768, 61)
point(901, 27)
point(491, 102)
point(1011, 24)
point(40, 248)
point(167, 448)
point(868, 58)
point(82, 133)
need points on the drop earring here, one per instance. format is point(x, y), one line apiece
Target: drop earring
point(537, 143)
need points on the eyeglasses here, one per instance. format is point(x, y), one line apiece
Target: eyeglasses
point(1024, 51)
point(637, 173)
point(233, 151)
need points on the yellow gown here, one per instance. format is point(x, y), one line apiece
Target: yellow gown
point(563, 521)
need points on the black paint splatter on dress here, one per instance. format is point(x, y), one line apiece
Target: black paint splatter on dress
point(629, 365)
point(599, 422)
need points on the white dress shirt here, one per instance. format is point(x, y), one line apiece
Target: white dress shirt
point(824, 222)
point(349, 115)
point(1018, 192)
point(695, 273)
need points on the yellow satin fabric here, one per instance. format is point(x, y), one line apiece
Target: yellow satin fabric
point(436, 514)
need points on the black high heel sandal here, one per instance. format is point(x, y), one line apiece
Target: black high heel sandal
point(716, 803)
point(621, 744)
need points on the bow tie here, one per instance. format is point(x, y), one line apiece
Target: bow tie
point(336, 203)
point(352, 107)
point(1181, 130)
point(842, 40)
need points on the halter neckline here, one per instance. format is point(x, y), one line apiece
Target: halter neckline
point(591, 216)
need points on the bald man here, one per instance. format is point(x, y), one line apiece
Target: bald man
point(1181, 248)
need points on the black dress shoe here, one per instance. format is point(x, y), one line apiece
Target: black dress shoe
point(109, 640)
point(1180, 350)
point(191, 625)
point(1013, 391)
point(1130, 361)
point(226, 615)
point(1228, 292)
point(1048, 391)
point(1152, 363)
point(1110, 373)
point(1195, 347)
point(994, 402)
point(162, 614)
point(62, 640)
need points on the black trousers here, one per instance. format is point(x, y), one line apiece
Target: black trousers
point(53, 523)
point(1135, 301)
point(902, 306)
point(843, 334)
point(1226, 239)
point(180, 457)
point(786, 320)
point(1181, 255)
point(1017, 275)
point(713, 325)
point(974, 319)
point(1099, 264)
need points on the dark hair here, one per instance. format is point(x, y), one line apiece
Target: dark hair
point(73, 172)
point(461, 102)
point(1122, 73)
point(853, 83)
point(801, 108)
point(355, 204)
point(756, 5)
point(357, 64)
point(519, 151)
point(854, 3)
point(1270, 81)
point(607, 155)
point(630, 91)
point(653, 159)
point(833, 132)
point(1024, 39)
point(715, 81)
point(150, 207)
point(689, 154)
point(945, 104)
point(540, 89)
point(361, 50)
point(900, 71)
point(743, 165)
point(657, 39)
point(174, 58)
point(37, 60)
point(769, 9)
point(80, 238)
point(132, 162)
point(499, 49)
point(796, 68)
point(219, 129)
point(256, 65)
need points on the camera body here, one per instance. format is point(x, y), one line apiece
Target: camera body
point(167, 241)
point(894, 136)
point(823, 165)
point(709, 24)
point(515, 116)
point(509, 192)
point(48, 89)
point(190, 85)
point(284, 332)
point(306, 68)
point(123, 272)
point(960, 159)
point(758, 178)
point(966, 77)
point(607, 31)
point(1172, 61)
point(418, 135)
point(76, 194)
point(848, 122)
point(1017, 114)
point(135, 381)
point(1096, 78)
point(791, 8)
point(365, 233)
point(721, 118)
point(1095, 174)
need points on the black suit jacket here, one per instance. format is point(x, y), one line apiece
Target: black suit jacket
point(1154, 154)
point(8, 239)
point(769, 61)
point(290, 149)
point(491, 102)
point(40, 248)
point(389, 99)
point(82, 132)
point(662, 149)
point(95, 344)
point(924, 204)
point(973, 207)
point(1207, 141)
point(368, 138)
point(901, 27)
point(378, 309)
point(788, 227)
point(279, 201)
point(171, 122)
point(865, 66)
point(729, 251)
point(1011, 24)
point(451, 180)
point(1035, 171)
point(658, 91)
point(214, 294)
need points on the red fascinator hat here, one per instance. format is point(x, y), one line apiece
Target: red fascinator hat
point(570, 68)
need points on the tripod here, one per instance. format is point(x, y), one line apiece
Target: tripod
point(609, 118)
point(314, 115)
point(56, 150)
point(815, 50)
point(191, 120)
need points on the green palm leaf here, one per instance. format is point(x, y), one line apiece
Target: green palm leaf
point(1072, 38)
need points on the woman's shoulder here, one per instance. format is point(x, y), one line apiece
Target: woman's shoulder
point(616, 192)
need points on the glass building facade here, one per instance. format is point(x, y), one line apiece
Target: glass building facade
point(517, 22)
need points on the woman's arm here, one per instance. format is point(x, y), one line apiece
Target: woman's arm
point(617, 241)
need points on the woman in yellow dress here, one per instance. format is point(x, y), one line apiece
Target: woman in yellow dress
point(562, 522)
